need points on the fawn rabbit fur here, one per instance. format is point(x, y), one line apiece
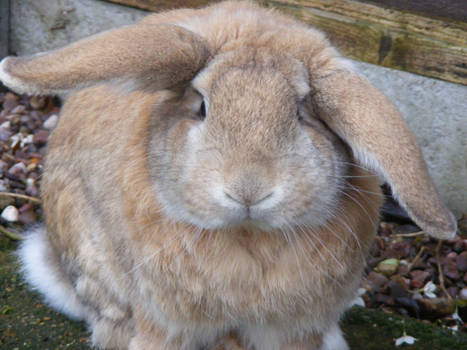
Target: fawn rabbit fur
point(211, 181)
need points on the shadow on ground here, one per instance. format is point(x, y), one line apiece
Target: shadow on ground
point(26, 323)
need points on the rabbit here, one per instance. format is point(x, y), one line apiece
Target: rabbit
point(214, 181)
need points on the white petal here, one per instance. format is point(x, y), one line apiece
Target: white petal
point(406, 339)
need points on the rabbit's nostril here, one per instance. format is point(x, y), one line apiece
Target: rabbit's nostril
point(235, 198)
point(246, 199)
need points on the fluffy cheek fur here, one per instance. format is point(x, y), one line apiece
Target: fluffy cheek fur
point(305, 180)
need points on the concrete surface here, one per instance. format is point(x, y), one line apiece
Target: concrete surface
point(435, 110)
point(39, 25)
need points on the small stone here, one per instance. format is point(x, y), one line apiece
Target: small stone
point(31, 167)
point(5, 134)
point(17, 169)
point(384, 299)
point(376, 280)
point(32, 191)
point(437, 308)
point(10, 214)
point(3, 185)
point(40, 137)
point(10, 102)
point(418, 278)
point(463, 293)
point(409, 304)
point(461, 262)
point(5, 125)
point(450, 270)
point(18, 110)
point(51, 122)
point(452, 256)
point(27, 217)
point(452, 291)
point(388, 267)
point(399, 250)
point(3, 165)
point(397, 287)
point(37, 102)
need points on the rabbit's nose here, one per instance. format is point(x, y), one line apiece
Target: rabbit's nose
point(249, 188)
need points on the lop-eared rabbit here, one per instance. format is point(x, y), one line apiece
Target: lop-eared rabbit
point(211, 182)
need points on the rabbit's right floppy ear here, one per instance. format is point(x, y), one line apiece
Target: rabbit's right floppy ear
point(380, 139)
point(153, 56)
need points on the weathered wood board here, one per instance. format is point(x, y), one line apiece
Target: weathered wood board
point(449, 9)
point(367, 32)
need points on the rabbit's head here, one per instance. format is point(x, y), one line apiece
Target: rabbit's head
point(251, 133)
point(243, 149)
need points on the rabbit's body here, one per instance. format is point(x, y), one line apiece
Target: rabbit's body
point(198, 285)
point(209, 192)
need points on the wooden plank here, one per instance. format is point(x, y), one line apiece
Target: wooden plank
point(157, 5)
point(388, 37)
point(4, 27)
point(366, 32)
point(448, 9)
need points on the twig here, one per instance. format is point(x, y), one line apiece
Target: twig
point(11, 235)
point(440, 271)
point(21, 196)
point(412, 234)
point(414, 261)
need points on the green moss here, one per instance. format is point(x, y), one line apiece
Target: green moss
point(376, 330)
point(25, 322)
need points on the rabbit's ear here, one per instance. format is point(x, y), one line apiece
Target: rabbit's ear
point(152, 56)
point(379, 138)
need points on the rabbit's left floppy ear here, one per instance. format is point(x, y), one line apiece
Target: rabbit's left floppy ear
point(151, 56)
point(380, 139)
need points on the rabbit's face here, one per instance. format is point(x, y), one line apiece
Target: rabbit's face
point(243, 149)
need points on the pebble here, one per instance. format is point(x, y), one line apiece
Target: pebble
point(40, 137)
point(5, 125)
point(51, 122)
point(27, 217)
point(37, 102)
point(388, 267)
point(450, 270)
point(461, 261)
point(438, 307)
point(463, 294)
point(4, 185)
point(376, 280)
point(5, 134)
point(10, 102)
point(18, 168)
point(418, 278)
point(10, 214)
point(18, 110)
point(397, 287)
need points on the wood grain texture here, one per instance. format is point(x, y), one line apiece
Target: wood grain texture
point(370, 33)
point(448, 9)
point(156, 5)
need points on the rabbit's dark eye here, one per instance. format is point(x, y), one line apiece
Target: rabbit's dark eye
point(202, 110)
